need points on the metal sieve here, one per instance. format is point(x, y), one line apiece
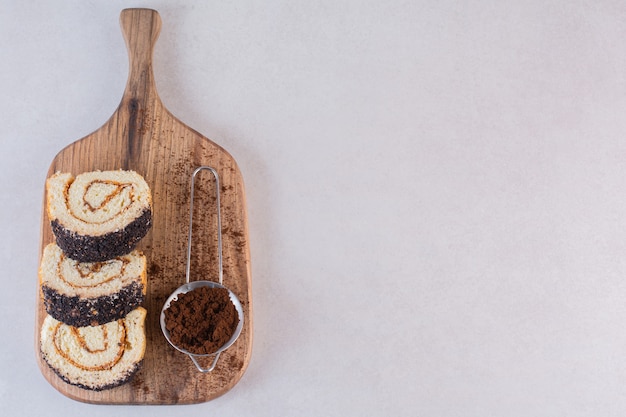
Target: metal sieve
point(189, 286)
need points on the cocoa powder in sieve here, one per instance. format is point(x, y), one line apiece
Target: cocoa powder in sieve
point(202, 320)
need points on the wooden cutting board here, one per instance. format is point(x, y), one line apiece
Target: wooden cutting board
point(142, 135)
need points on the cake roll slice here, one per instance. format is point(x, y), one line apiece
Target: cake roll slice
point(100, 214)
point(95, 357)
point(91, 293)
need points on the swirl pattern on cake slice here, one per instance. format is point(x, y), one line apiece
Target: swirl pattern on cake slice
point(95, 357)
point(91, 293)
point(99, 214)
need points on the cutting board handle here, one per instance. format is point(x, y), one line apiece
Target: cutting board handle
point(140, 28)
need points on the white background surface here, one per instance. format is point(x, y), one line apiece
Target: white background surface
point(436, 194)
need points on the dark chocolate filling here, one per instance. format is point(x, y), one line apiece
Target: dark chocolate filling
point(84, 248)
point(80, 312)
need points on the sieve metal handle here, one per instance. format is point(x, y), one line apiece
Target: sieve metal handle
point(200, 368)
point(219, 222)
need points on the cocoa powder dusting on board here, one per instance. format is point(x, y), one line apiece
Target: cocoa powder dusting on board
point(202, 320)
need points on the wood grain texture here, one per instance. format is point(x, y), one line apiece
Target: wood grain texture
point(142, 135)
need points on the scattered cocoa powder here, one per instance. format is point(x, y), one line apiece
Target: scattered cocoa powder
point(202, 320)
